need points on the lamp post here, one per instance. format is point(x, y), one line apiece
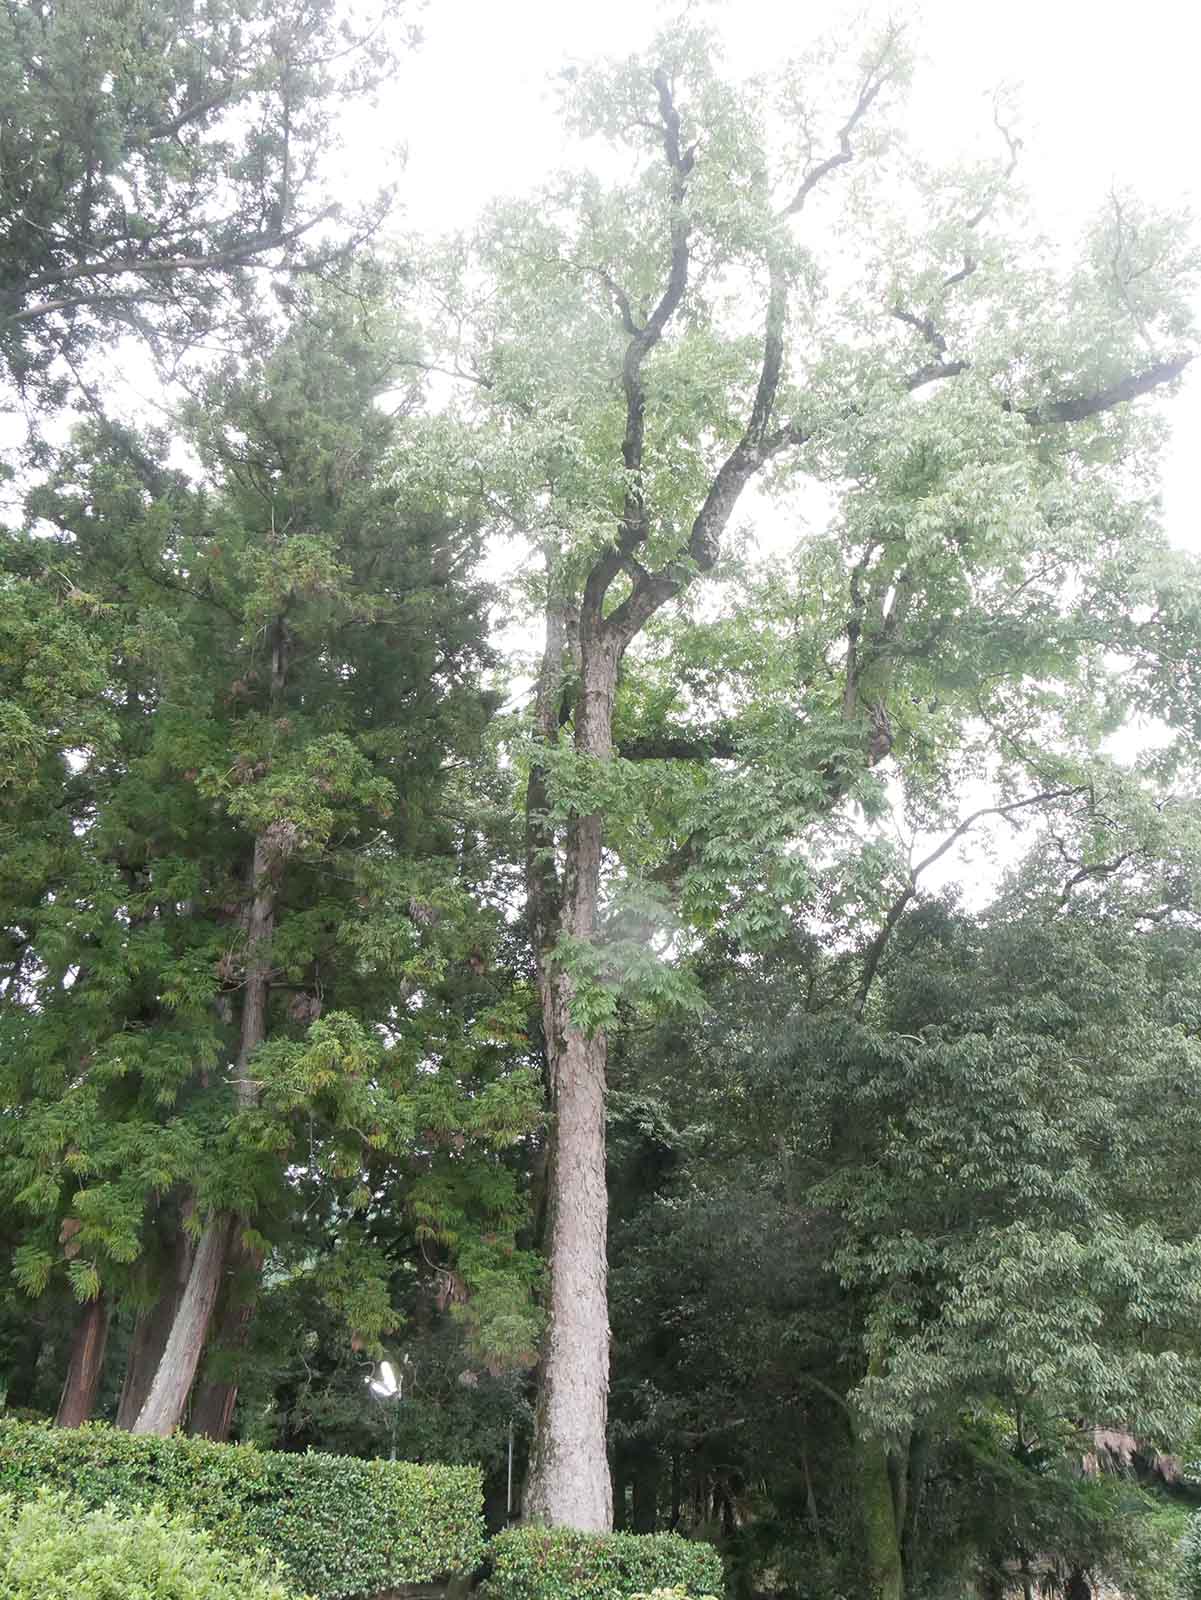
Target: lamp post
point(387, 1385)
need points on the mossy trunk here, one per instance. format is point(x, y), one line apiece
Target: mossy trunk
point(881, 1530)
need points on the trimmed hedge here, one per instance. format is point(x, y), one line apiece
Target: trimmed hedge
point(558, 1564)
point(339, 1526)
point(52, 1549)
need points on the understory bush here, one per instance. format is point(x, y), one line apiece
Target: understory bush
point(52, 1548)
point(340, 1526)
point(559, 1564)
point(1188, 1575)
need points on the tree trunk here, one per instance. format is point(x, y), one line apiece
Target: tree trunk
point(881, 1534)
point(918, 1466)
point(164, 1407)
point(168, 1397)
point(212, 1414)
point(213, 1406)
point(644, 1511)
point(569, 1483)
point(85, 1365)
point(153, 1329)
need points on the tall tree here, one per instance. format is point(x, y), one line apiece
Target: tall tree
point(644, 351)
point(155, 154)
point(242, 923)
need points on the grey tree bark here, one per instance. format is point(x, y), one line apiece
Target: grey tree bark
point(153, 1329)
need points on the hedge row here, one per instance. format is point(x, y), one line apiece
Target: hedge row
point(339, 1526)
point(532, 1563)
point(52, 1549)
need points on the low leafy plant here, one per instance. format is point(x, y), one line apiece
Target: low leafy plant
point(559, 1564)
point(1188, 1576)
point(52, 1548)
point(338, 1525)
point(676, 1593)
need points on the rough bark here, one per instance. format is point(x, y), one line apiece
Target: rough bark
point(168, 1397)
point(569, 1483)
point(153, 1329)
point(85, 1365)
point(213, 1405)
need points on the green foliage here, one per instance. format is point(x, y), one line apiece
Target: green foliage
point(676, 1592)
point(53, 1549)
point(531, 1563)
point(134, 797)
point(1189, 1555)
point(155, 153)
point(338, 1526)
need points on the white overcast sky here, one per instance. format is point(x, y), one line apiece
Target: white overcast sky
point(1109, 94)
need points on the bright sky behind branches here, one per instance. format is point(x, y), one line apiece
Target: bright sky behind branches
point(1108, 94)
point(1107, 98)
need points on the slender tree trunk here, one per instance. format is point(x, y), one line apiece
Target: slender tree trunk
point(620, 1520)
point(918, 1466)
point(153, 1329)
point(881, 1533)
point(569, 1483)
point(165, 1404)
point(85, 1365)
point(644, 1511)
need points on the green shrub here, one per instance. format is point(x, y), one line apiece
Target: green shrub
point(558, 1564)
point(340, 1526)
point(53, 1549)
point(672, 1594)
point(1189, 1555)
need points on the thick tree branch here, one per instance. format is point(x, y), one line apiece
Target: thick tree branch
point(199, 108)
point(634, 521)
point(1078, 408)
point(217, 260)
point(924, 326)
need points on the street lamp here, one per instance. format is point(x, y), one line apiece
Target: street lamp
point(387, 1385)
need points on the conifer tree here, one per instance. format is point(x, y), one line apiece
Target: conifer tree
point(264, 883)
